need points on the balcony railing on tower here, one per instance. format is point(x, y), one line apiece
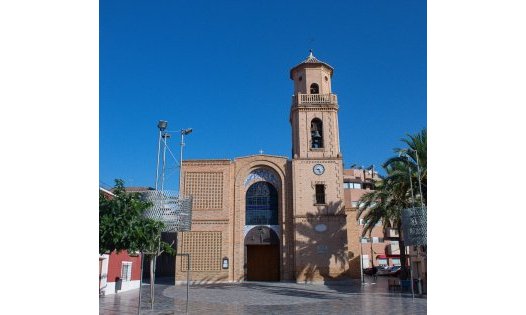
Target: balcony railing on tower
point(314, 99)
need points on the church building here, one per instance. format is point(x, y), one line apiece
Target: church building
point(273, 218)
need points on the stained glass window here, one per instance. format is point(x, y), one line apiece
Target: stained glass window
point(262, 204)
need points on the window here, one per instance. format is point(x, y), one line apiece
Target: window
point(261, 204)
point(350, 185)
point(314, 89)
point(382, 262)
point(378, 240)
point(126, 269)
point(396, 261)
point(354, 204)
point(316, 130)
point(368, 186)
point(320, 194)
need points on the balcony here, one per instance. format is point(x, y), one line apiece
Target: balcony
point(390, 233)
point(314, 99)
point(392, 249)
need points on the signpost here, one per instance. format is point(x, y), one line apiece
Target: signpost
point(414, 226)
point(414, 229)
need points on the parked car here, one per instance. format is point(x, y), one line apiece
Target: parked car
point(394, 270)
point(383, 271)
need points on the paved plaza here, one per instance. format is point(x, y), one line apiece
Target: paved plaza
point(266, 298)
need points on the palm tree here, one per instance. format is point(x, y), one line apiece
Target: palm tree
point(395, 191)
point(411, 160)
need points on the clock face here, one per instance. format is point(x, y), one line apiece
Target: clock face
point(318, 169)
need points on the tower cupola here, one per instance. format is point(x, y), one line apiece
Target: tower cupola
point(312, 76)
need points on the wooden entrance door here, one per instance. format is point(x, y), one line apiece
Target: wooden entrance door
point(263, 262)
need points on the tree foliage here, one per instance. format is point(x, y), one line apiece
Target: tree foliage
point(399, 189)
point(122, 225)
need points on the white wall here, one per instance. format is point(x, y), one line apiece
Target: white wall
point(126, 286)
point(104, 273)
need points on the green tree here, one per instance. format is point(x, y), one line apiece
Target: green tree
point(398, 190)
point(411, 160)
point(122, 226)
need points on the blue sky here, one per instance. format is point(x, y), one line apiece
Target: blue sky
point(222, 68)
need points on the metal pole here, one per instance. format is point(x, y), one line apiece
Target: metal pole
point(361, 253)
point(410, 176)
point(187, 277)
point(175, 259)
point(187, 281)
point(158, 153)
point(152, 281)
point(181, 165)
point(140, 283)
point(419, 181)
point(164, 160)
point(411, 273)
point(361, 262)
point(411, 184)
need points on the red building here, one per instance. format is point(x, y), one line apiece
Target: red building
point(118, 271)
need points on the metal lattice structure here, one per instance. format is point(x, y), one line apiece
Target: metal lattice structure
point(414, 226)
point(174, 211)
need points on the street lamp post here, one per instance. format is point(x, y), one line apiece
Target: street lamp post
point(184, 132)
point(413, 204)
point(419, 180)
point(404, 154)
point(162, 127)
point(165, 137)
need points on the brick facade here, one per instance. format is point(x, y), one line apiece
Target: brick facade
point(318, 238)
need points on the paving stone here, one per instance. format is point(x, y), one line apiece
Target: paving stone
point(266, 298)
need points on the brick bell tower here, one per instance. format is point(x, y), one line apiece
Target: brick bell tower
point(320, 231)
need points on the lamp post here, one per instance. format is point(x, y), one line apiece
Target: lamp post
point(404, 154)
point(162, 127)
point(184, 132)
point(419, 180)
point(422, 204)
point(165, 137)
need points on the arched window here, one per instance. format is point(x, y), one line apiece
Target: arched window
point(261, 204)
point(314, 89)
point(316, 131)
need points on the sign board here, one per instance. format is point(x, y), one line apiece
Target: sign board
point(167, 206)
point(414, 226)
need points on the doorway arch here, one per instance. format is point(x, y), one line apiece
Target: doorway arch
point(262, 254)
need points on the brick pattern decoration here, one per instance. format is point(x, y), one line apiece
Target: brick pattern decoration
point(206, 188)
point(204, 249)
